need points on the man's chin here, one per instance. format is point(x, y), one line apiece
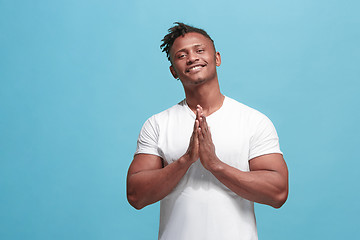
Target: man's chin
point(198, 81)
point(194, 82)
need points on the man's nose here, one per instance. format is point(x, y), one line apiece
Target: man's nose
point(192, 57)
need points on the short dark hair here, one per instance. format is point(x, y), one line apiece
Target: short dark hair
point(180, 29)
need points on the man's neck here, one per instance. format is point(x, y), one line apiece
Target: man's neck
point(208, 96)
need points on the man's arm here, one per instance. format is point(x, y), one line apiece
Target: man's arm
point(267, 181)
point(148, 181)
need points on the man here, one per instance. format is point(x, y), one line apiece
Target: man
point(208, 158)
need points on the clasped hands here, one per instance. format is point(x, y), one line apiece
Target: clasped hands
point(201, 144)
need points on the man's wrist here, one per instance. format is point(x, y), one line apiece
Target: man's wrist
point(185, 160)
point(216, 166)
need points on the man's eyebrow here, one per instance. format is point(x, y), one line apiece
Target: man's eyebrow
point(181, 50)
point(184, 49)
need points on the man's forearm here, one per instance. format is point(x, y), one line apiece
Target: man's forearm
point(149, 186)
point(266, 183)
point(262, 186)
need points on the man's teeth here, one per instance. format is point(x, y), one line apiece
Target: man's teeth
point(195, 68)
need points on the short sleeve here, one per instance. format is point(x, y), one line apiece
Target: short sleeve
point(264, 139)
point(148, 138)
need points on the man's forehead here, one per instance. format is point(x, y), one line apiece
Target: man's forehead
point(190, 40)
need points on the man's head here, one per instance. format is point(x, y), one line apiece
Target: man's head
point(192, 55)
point(180, 29)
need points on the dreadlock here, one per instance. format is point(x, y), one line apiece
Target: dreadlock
point(179, 30)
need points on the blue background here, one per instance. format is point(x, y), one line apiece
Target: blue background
point(79, 78)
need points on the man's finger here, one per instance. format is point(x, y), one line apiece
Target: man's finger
point(198, 111)
point(196, 127)
point(204, 123)
point(200, 134)
point(201, 109)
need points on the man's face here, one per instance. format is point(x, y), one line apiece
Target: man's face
point(194, 59)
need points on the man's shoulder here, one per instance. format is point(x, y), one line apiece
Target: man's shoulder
point(246, 114)
point(169, 112)
point(241, 108)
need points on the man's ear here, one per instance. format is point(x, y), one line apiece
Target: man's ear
point(173, 72)
point(217, 59)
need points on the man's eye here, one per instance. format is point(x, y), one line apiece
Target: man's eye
point(181, 55)
point(200, 50)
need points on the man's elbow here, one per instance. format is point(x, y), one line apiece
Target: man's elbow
point(280, 199)
point(135, 201)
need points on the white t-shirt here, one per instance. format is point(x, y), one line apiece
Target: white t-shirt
point(200, 207)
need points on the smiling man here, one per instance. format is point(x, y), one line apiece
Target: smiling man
point(209, 157)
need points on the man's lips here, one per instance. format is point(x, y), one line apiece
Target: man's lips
point(195, 67)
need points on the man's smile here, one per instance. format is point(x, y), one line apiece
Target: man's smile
point(195, 68)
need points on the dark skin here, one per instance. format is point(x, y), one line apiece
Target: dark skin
point(265, 183)
point(194, 61)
